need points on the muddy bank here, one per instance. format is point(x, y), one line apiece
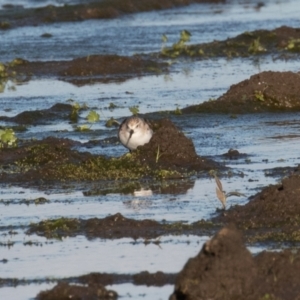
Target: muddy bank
point(270, 216)
point(263, 92)
point(116, 227)
point(17, 16)
point(225, 269)
point(86, 70)
point(281, 43)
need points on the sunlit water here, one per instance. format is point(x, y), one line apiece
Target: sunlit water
point(141, 33)
point(269, 140)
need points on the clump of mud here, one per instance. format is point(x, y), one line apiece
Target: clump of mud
point(64, 291)
point(225, 269)
point(170, 148)
point(263, 92)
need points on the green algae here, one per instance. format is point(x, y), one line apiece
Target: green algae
point(244, 45)
point(56, 228)
point(58, 162)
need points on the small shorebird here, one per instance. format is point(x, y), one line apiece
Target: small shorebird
point(133, 132)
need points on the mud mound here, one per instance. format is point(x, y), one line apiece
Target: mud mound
point(222, 270)
point(263, 92)
point(107, 64)
point(225, 269)
point(276, 206)
point(65, 291)
point(169, 147)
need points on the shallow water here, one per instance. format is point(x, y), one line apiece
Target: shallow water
point(141, 32)
point(269, 140)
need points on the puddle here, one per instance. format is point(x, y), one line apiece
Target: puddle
point(122, 256)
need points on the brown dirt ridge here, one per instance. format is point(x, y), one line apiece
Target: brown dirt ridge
point(263, 92)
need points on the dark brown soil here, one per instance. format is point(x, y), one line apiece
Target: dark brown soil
point(263, 92)
point(87, 70)
point(225, 269)
point(66, 291)
point(98, 10)
point(169, 147)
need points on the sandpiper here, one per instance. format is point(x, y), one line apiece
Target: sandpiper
point(134, 131)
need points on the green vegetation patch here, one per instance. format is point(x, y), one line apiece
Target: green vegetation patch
point(278, 41)
point(53, 159)
point(57, 228)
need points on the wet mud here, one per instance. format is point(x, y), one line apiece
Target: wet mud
point(225, 269)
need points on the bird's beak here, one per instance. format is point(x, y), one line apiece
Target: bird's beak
point(131, 132)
